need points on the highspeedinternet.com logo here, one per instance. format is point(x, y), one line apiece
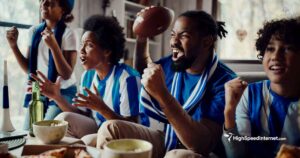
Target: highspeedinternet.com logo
point(232, 137)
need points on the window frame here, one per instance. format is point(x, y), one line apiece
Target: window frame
point(216, 13)
point(4, 24)
point(11, 24)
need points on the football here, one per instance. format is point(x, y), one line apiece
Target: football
point(152, 21)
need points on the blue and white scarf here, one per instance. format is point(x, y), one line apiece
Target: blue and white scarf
point(152, 108)
point(36, 38)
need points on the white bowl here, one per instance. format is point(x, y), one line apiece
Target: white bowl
point(50, 131)
point(128, 148)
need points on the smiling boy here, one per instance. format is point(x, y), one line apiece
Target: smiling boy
point(268, 108)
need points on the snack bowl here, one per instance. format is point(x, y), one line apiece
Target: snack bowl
point(128, 148)
point(50, 131)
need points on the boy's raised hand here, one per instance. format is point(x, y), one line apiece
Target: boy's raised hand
point(233, 92)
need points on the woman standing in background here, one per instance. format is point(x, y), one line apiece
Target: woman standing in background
point(51, 49)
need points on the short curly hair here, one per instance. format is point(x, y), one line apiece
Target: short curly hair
point(286, 30)
point(109, 35)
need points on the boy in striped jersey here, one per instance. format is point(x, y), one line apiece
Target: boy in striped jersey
point(109, 90)
point(185, 91)
point(267, 108)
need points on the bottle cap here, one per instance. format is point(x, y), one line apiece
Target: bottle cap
point(35, 87)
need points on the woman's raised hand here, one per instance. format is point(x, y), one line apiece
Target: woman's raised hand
point(12, 35)
point(49, 38)
point(48, 88)
point(91, 101)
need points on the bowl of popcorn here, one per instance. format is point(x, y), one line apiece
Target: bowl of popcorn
point(128, 148)
point(50, 131)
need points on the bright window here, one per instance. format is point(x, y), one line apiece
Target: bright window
point(244, 18)
point(14, 12)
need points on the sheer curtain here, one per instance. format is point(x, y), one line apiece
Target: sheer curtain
point(243, 19)
point(21, 12)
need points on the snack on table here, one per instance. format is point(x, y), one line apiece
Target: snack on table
point(58, 153)
point(55, 153)
point(61, 153)
point(7, 155)
point(288, 151)
point(79, 153)
point(37, 156)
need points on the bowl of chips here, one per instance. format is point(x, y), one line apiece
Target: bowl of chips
point(128, 148)
point(50, 131)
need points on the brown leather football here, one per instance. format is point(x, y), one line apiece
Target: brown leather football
point(153, 21)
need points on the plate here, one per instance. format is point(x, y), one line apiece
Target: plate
point(38, 149)
point(14, 143)
point(96, 153)
point(12, 135)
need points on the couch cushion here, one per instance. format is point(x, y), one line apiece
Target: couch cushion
point(252, 76)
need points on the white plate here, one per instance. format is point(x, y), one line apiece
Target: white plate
point(96, 153)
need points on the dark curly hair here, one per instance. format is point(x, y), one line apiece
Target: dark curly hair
point(206, 24)
point(286, 30)
point(67, 16)
point(109, 35)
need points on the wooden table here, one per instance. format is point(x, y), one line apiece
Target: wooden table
point(34, 141)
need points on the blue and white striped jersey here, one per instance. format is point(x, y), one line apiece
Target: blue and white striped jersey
point(262, 112)
point(119, 90)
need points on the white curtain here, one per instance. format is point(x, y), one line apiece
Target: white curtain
point(243, 19)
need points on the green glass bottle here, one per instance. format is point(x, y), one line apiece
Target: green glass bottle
point(36, 107)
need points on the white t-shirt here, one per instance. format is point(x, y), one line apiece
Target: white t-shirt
point(68, 44)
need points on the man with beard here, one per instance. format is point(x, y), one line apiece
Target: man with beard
point(185, 91)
